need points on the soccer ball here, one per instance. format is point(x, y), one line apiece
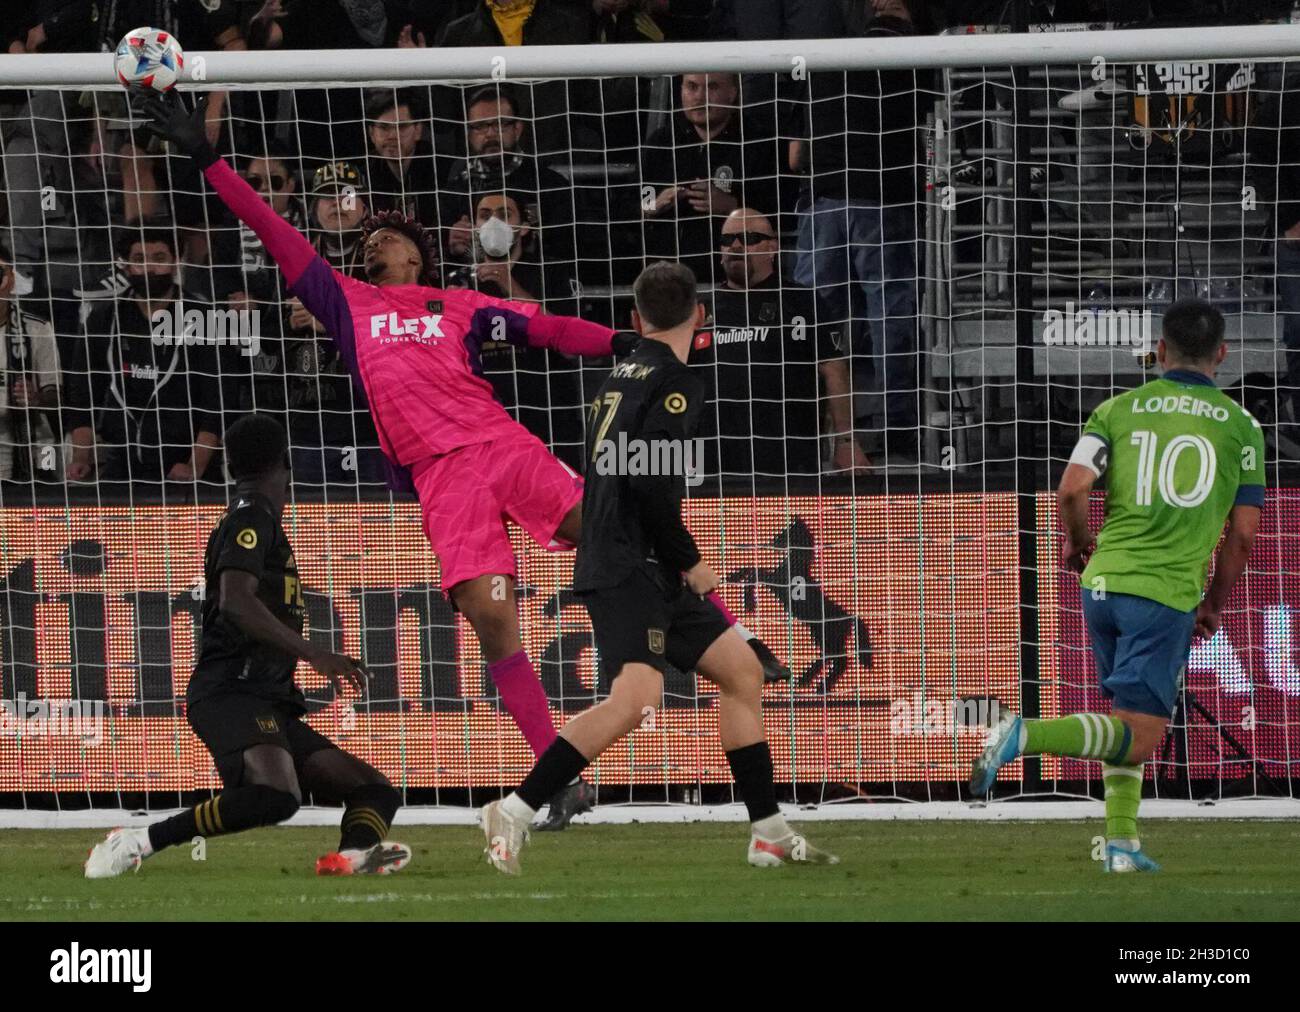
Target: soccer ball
point(148, 58)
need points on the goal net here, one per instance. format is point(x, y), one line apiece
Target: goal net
point(926, 261)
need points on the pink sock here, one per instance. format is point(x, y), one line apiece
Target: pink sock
point(716, 598)
point(523, 697)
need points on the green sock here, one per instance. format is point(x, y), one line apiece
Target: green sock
point(1123, 795)
point(1079, 736)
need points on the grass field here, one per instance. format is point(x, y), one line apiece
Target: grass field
point(1221, 870)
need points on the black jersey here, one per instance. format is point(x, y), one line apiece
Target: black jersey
point(249, 537)
point(641, 439)
point(761, 369)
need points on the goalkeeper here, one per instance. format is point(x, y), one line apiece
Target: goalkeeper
point(415, 350)
point(1181, 457)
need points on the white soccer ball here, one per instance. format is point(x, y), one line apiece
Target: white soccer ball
point(149, 58)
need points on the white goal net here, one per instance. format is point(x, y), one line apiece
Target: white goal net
point(925, 264)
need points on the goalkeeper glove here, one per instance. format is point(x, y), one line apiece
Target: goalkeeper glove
point(185, 131)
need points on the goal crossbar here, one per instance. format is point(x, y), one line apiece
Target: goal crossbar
point(241, 70)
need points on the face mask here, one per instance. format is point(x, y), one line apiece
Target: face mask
point(149, 286)
point(496, 238)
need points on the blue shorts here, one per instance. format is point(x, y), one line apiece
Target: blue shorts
point(1141, 648)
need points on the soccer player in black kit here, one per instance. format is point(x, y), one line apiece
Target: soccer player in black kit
point(640, 575)
point(242, 701)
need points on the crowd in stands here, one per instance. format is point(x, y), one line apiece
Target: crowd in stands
point(795, 201)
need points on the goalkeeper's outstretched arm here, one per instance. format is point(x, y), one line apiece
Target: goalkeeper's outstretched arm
point(523, 326)
point(286, 245)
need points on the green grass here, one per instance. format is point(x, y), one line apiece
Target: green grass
point(1229, 870)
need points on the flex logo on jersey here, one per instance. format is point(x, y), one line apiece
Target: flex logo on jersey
point(247, 538)
point(417, 328)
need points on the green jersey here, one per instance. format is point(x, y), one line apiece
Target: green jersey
point(1179, 454)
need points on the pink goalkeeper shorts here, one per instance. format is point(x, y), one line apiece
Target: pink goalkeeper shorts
point(467, 495)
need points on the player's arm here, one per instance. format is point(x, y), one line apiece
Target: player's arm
point(1234, 553)
point(1087, 464)
point(241, 606)
point(1243, 525)
point(525, 326)
point(187, 132)
point(240, 568)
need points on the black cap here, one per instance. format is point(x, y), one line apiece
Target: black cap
point(334, 177)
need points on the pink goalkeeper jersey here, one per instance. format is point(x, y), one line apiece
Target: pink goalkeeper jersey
point(414, 349)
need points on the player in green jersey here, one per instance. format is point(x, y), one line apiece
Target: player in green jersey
point(1179, 457)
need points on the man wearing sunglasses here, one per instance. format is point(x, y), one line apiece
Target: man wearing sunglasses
point(769, 367)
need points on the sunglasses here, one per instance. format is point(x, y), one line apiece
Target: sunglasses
point(748, 238)
point(277, 181)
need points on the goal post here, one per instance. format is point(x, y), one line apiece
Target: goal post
point(1065, 186)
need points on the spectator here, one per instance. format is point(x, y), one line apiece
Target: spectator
point(423, 21)
point(699, 168)
point(537, 23)
point(651, 20)
point(857, 223)
point(338, 207)
point(29, 389)
point(769, 366)
point(324, 123)
point(331, 434)
point(143, 405)
point(771, 20)
point(540, 388)
point(401, 167)
point(497, 160)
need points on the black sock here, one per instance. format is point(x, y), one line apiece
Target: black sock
point(230, 811)
point(557, 767)
point(751, 767)
point(368, 814)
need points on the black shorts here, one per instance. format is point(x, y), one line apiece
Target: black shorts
point(643, 620)
point(234, 721)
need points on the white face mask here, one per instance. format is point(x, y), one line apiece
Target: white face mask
point(496, 237)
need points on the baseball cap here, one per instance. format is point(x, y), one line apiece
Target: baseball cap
point(335, 176)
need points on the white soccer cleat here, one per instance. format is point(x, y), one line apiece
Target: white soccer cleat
point(122, 850)
point(793, 849)
point(505, 836)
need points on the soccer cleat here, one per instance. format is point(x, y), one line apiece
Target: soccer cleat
point(1122, 858)
point(505, 836)
point(773, 669)
point(122, 850)
point(1001, 747)
point(576, 798)
point(794, 849)
point(381, 859)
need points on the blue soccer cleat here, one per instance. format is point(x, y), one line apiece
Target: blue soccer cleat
point(1123, 857)
point(1002, 747)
